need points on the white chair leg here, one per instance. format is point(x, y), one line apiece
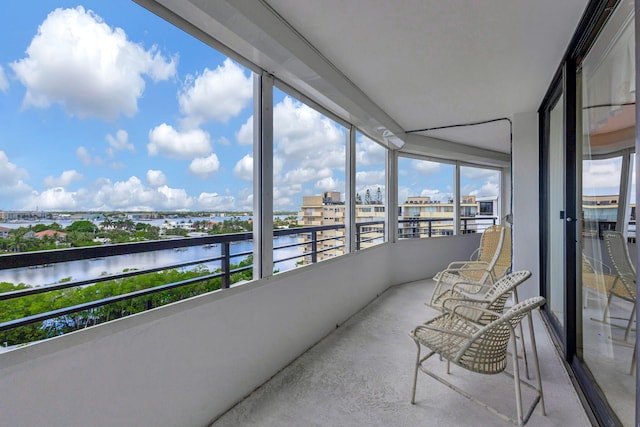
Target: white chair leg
point(516, 379)
point(415, 375)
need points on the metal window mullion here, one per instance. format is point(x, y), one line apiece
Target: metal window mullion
point(350, 191)
point(456, 200)
point(391, 196)
point(263, 175)
point(624, 200)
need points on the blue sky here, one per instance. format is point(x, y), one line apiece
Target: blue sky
point(105, 106)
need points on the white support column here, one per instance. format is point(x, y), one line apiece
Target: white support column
point(526, 207)
point(350, 193)
point(262, 175)
point(504, 198)
point(391, 181)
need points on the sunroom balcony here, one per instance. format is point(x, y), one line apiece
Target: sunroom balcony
point(325, 344)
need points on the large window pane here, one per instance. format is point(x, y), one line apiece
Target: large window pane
point(555, 270)
point(118, 127)
point(309, 180)
point(608, 237)
point(370, 192)
point(479, 198)
point(425, 198)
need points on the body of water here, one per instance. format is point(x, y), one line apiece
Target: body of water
point(88, 269)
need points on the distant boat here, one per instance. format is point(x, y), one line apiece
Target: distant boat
point(180, 249)
point(209, 246)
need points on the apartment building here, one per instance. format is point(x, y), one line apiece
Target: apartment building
point(418, 216)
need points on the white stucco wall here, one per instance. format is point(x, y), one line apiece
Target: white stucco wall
point(526, 222)
point(185, 364)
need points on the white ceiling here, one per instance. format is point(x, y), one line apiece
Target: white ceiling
point(401, 65)
point(435, 63)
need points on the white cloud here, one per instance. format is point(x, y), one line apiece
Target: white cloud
point(218, 94)
point(204, 166)
point(12, 185)
point(307, 138)
point(90, 69)
point(328, 184)
point(244, 168)
point(244, 199)
point(601, 176)
point(488, 189)
point(214, 201)
point(66, 178)
point(370, 178)
point(175, 198)
point(134, 195)
point(301, 175)
point(245, 135)
point(479, 173)
point(435, 194)
point(156, 178)
point(120, 142)
point(164, 139)
point(223, 140)
point(56, 198)
point(4, 83)
point(369, 152)
point(83, 155)
point(425, 167)
point(287, 197)
point(306, 145)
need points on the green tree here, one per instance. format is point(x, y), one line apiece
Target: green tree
point(82, 227)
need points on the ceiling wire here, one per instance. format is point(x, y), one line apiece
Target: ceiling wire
point(462, 125)
point(508, 217)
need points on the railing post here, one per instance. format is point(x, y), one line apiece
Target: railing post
point(314, 247)
point(429, 228)
point(226, 265)
point(464, 228)
point(358, 228)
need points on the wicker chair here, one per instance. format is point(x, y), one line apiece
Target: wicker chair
point(488, 263)
point(493, 299)
point(479, 348)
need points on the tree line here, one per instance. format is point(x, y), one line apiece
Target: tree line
point(17, 308)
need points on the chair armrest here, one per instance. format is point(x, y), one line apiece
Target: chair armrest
point(439, 329)
point(473, 307)
point(460, 287)
point(450, 304)
point(456, 265)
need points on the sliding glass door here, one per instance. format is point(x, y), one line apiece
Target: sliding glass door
point(588, 233)
point(606, 96)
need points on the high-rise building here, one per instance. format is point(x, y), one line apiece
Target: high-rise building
point(419, 216)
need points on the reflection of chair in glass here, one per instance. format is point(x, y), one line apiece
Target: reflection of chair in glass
point(624, 285)
point(479, 348)
point(597, 278)
point(489, 262)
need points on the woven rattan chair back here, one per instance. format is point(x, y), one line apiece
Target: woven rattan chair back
point(623, 266)
point(489, 251)
point(494, 299)
point(486, 351)
point(503, 262)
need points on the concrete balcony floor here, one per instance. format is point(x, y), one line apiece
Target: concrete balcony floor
point(361, 375)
